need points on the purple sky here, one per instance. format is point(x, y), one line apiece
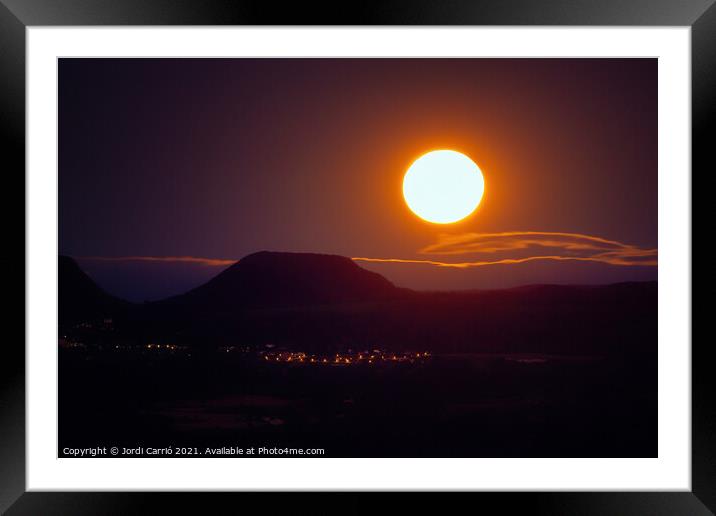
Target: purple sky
point(219, 158)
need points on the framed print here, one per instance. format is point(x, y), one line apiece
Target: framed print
point(408, 248)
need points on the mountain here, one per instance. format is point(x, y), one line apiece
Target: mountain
point(318, 302)
point(80, 298)
point(280, 280)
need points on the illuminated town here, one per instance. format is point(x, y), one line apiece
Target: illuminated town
point(348, 358)
point(93, 338)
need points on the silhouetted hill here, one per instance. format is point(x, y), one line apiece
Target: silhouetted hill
point(80, 298)
point(318, 302)
point(272, 279)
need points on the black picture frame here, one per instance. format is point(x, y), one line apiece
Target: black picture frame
point(17, 15)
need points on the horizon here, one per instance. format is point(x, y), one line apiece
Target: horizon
point(227, 263)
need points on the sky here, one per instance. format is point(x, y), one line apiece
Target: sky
point(172, 169)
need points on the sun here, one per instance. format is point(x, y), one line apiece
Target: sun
point(443, 186)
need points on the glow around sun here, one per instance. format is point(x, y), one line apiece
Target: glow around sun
point(443, 186)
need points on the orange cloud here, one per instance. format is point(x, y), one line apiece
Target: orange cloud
point(530, 246)
point(211, 262)
point(507, 248)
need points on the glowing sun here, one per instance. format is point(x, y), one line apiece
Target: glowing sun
point(443, 186)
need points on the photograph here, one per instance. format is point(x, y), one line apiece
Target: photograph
point(357, 257)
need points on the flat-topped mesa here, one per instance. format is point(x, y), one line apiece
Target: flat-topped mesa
point(290, 279)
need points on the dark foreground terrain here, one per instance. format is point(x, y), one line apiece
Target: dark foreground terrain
point(448, 406)
point(539, 371)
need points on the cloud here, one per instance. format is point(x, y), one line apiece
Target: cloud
point(210, 262)
point(527, 246)
point(485, 249)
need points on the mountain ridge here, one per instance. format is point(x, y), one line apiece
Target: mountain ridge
point(269, 278)
point(310, 301)
point(79, 296)
point(514, 289)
